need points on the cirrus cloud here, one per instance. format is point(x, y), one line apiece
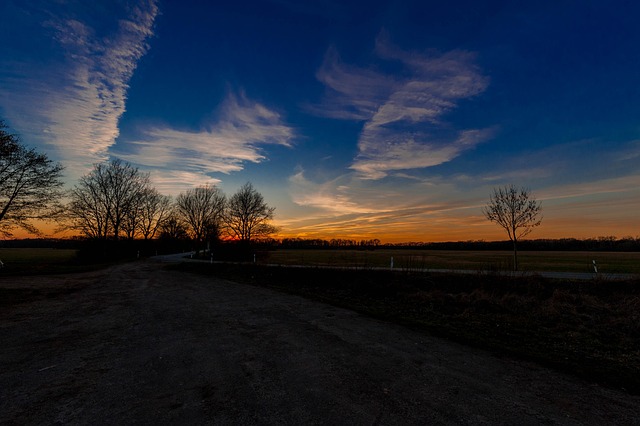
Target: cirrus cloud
point(73, 102)
point(243, 127)
point(403, 113)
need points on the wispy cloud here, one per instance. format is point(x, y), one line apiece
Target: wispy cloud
point(615, 185)
point(347, 207)
point(236, 137)
point(450, 212)
point(586, 160)
point(347, 198)
point(403, 114)
point(170, 182)
point(73, 103)
point(382, 150)
point(631, 152)
point(330, 196)
point(353, 92)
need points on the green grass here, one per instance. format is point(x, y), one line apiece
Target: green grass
point(563, 261)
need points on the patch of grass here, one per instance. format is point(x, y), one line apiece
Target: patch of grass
point(590, 329)
point(36, 255)
point(36, 261)
point(564, 261)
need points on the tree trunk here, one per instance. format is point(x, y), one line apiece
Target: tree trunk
point(515, 255)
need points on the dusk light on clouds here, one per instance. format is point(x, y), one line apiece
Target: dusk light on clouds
point(233, 139)
point(389, 120)
point(74, 101)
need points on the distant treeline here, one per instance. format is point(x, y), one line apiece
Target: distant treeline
point(562, 244)
point(162, 246)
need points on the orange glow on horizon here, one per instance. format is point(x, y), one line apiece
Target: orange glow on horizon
point(557, 229)
point(445, 230)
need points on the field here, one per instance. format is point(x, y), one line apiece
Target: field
point(562, 261)
point(137, 343)
point(589, 328)
point(22, 261)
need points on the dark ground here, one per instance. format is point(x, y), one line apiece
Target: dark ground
point(139, 344)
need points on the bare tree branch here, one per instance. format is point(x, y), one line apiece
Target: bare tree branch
point(247, 216)
point(515, 210)
point(106, 201)
point(30, 186)
point(201, 210)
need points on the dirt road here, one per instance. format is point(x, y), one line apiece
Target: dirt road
point(137, 344)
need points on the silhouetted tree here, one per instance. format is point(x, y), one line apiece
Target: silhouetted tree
point(30, 185)
point(106, 200)
point(515, 210)
point(153, 210)
point(247, 215)
point(172, 228)
point(131, 221)
point(201, 209)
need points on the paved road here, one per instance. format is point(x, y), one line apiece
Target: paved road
point(137, 344)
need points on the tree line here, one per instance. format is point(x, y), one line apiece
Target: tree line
point(608, 243)
point(311, 243)
point(599, 244)
point(115, 201)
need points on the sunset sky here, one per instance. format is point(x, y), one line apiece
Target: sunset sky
point(355, 119)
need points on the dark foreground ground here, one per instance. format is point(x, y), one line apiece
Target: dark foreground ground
point(139, 344)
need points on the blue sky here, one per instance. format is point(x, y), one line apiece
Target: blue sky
point(355, 119)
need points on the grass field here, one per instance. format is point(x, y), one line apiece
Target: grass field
point(563, 261)
point(22, 261)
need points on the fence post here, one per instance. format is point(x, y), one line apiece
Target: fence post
point(391, 262)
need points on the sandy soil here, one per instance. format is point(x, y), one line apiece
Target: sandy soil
point(143, 345)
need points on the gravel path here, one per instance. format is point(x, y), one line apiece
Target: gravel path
point(137, 344)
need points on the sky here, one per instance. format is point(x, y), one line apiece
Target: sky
point(355, 119)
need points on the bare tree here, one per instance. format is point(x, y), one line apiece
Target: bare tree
point(125, 186)
point(153, 210)
point(105, 201)
point(88, 211)
point(515, 210)
point(201, 210)
point(173, 228)
point(30, 185)
point(247, 215)
point(145, 214)
point(131, 221)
